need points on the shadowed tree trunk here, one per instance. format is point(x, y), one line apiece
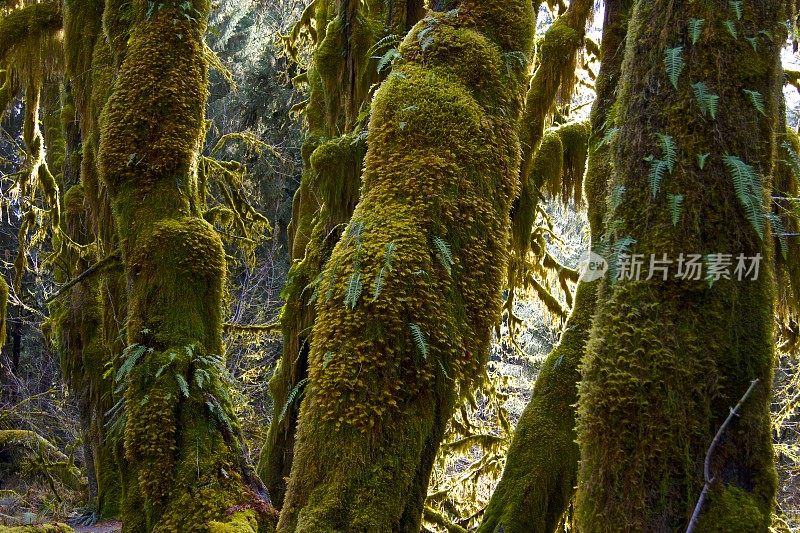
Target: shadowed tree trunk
point(406, 303)
point(185, 468)
point(666, 359)
point(542, 466)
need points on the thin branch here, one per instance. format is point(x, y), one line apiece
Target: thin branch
point(273, 327)
point(710, 454)
point(107, 261)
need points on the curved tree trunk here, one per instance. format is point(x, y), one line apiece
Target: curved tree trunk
point(408, 298)
point(185, 464)
point(340, 79)
point(667, 359)
point(542, 466)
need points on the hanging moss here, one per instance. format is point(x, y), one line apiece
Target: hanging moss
point(406, 303)
point(667, 359)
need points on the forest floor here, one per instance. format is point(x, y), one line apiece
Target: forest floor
point(100, 527)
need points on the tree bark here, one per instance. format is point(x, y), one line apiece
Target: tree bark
point(406, 303)
point(668, 358)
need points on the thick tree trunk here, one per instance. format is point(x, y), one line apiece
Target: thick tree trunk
point(185, 468)
point(340, 78)
point(542, 466)
point(667, 359)
point(408, 298)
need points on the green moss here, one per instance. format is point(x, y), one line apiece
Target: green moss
point(440, 168)
point(730, 509)
point(43, 528)
point(667, 359)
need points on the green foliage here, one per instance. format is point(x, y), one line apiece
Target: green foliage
point(443, 254)
point(608, 137)
point(295, 394)
point(730, 26)
point(757, 99)
point(619, 249)
point(353, 292)
point(419, 340)
point(182, 384)
point(779, 231)
point(669, 150)
point(673, 61)
point(737, 6)
point(380, 277)
point(616, 196)
point(747, 184)
point(695, 29)
point(675, 207)
point(701, 160)
point(707, 100)
point(660, 167)
point(387, 59)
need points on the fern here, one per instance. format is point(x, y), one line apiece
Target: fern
point(132, 354)
point(354, 287)
point(675, 207)
point(419, 340)
point(794, 159)
point(444, 254)
point(668, 150)
point(695, 29)
point(753, 42)
point(757, 100)
point(658, 169)
point(296, 393)
point(377, 284)
point(215, 409)
point(387, 59)
point(737, 6)
point(182, 385)
point(701, 160)
point(780, 233)
point(673, 61)
point(616, 196)
point(707, 100)
point(608, 138)
point(747, 185)
point(621, 247)
point(731, 27)
point(515, 60)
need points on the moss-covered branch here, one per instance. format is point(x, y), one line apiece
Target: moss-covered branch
point(29, 22)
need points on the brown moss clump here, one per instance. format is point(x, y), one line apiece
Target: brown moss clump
point(406, 303)
point(667, 359)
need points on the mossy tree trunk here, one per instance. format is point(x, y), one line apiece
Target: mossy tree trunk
point(542, 466)
point(340, 78)
point(667, 359)
point(406, 303)
point(185, 468)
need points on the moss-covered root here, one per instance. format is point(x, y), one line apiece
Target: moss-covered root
point(3, 310)
point(182, 444)
point(542, 466)
point(667, 359)
point(29, 451)
point(406, 302)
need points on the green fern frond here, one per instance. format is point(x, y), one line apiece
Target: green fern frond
point(377, 284)
point(701, 160)
point(695, 29)
point(779, 231)
point(669, 151)
point(747, 184)
point(296, 393)
point(753, 42)
point(515, 60)
point(387, 59)
point(707, 100)
point(444, 254)
point(132, 354)
point(731, 27)
point(756, 99)
point(354, 287)
point(616, 196)
point(608, 138)
point(675, 207)
point(737, 6)
point(419, 340)
point(658, 169)
point(673, 61)
point(618, 249)
point(794, 159)
point(182, 385)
